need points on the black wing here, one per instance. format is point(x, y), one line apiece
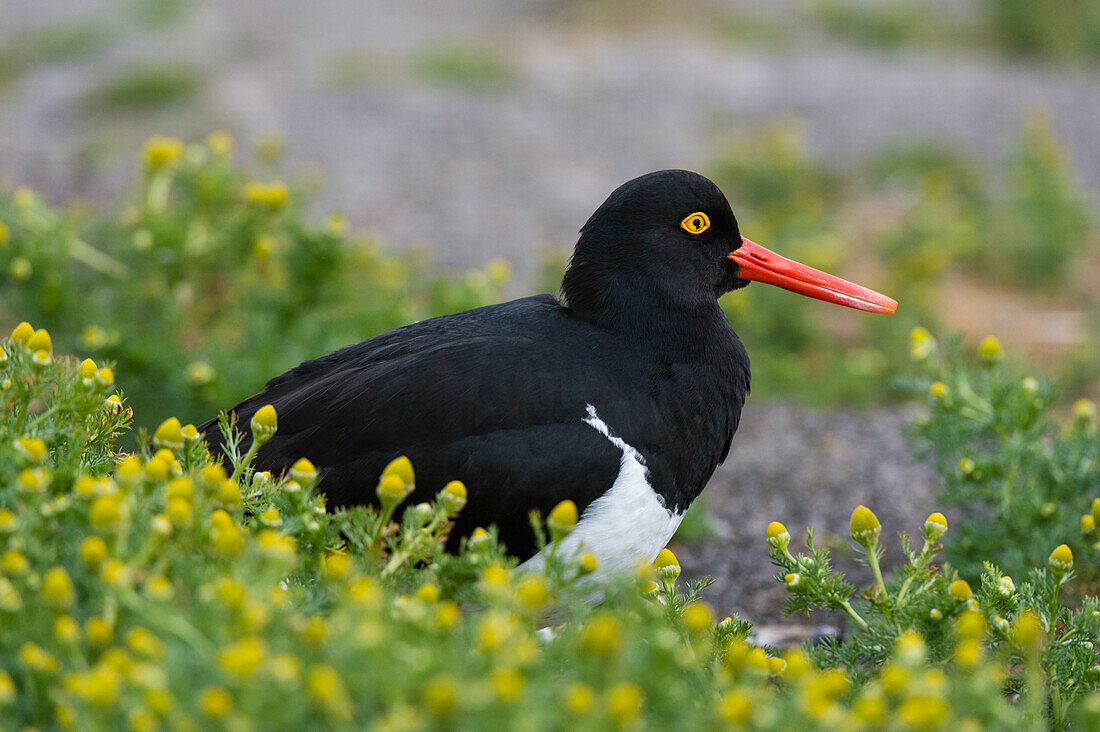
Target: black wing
point(494, 397)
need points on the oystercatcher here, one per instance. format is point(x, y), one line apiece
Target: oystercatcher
point(622, 396)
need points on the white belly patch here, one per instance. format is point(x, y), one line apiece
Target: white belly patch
point(626, 526)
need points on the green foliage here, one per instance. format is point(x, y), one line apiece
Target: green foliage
point(208, 282)
point(925, 614)
point(1024, 225)
point(1019, 477)
point(1066, 29)
point(145, 85)
point(891, 24)
point(474, 68)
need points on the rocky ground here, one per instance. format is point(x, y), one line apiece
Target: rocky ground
point(499, 161)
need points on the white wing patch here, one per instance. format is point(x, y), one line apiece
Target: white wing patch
point(627, 525)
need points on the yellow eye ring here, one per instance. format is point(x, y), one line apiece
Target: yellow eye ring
point(695, 223)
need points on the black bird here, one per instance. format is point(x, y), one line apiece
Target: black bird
point(622, 396)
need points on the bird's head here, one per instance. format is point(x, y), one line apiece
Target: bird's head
point(671, 236)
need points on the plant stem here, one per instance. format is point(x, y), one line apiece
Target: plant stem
point(847, 607)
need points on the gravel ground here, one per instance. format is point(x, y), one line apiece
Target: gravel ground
point(808, 469)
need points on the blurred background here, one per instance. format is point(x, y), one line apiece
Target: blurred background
point(374, 163)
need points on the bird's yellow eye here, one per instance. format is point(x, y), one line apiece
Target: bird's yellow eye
point(695, 223)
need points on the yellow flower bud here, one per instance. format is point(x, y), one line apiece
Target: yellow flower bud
point(589, 563)
point(864, 526)
point(105, 377)
point(161, 152)
point(935, 526)
point(215, 702)
point(1028, 632)
point(562, 520)
point(33, 448)
point(1061, 560)
point(57, 588)
point(265, 422)
point(579, 698)
point(303, 472)
point(87, 369)
point(624, 702)
point(777, 535)
point(440, 696)
point(938, 389)
point(92, 551)
point(698, 617)
point(734, 707)
point(22, 333)
point(990, 349)
point(169, 435)
point(603, 636)
point(1088, 524)
point(960, 589)
point(453, 496)
point(667, 565)
point(40, 341)
point(402, 468)
point(392, 490)
point(532, 591)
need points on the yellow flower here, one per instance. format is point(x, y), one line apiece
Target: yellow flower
point(228, 540)
point(141, 719)
point(276, 545)
point(178, 510)
point(40, 341)
point(88, 370)
point(402, 468)
point(265, 422)
point(3, 232)
point(8, 522)
point(7, 689)
point(106, 512)
point(98, 630)
point(336, 565)
point(602, 636)
point(440, 695)
point(698, 617)
point(864, 526)
point(169, 435)
point(228, 493)
point(57, 588)
point(1084, 411)
point(1028, 632)
point(271, 517)
point(161, 152)
point(215, 702)
point(562, 519)
point(144, 643)
point(36, 658)
point(507, 683)
point(34, 480)
point(336, 223)
point(494, 630)
point(935, 526)
point(1061, 560)
point(65, 629)
point(990, 349)
point(938, 389)
point(777, 535)
point(312, 630)
point(453, 496)
point(921, 344)
point(923, 711)
point(303, 472)
point(326, 689)
point(99, 686)
point(10, 601)
point(624, 702)
point(242, 658)
point(22, 333)
point(960, 589)
point(13, 562)
point(579, 698)
point(532, 591)
point(1088, 523)
point(667, 565)
point(105, 377)
point(181, 488)
point(272, 195)
point(735, 708)
point(32, 448)
point(200, 373)
point(968, 653)
point(21, 268)
point(220, 143)
point(92, 551)
point(446, 615)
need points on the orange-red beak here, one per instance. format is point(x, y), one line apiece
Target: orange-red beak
point(763, 265)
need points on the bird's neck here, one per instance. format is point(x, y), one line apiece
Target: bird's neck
point(638, 307)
